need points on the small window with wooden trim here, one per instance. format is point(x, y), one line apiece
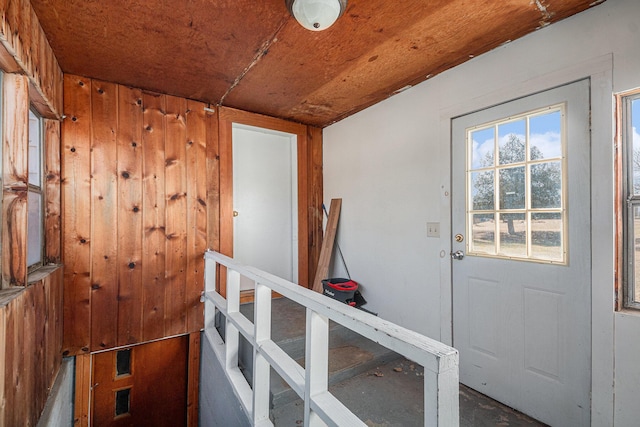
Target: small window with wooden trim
point(122, 402)
point(629, 142)
point(35, 193)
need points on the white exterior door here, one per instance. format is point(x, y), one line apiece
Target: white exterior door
point(521, 235)
point(265, 201)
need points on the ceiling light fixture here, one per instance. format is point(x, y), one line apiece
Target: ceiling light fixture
point(316, 15)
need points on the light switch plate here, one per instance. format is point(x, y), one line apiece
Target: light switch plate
point(433, 229)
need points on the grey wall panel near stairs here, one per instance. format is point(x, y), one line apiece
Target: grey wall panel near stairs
point(219, 406)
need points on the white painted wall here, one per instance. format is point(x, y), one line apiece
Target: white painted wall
point(391, 166)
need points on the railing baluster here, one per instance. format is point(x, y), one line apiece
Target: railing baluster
point(261, 367)
point(232, 338)
point(316, 364)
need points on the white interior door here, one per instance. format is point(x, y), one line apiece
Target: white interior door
point(521, 280)
point(265, 201)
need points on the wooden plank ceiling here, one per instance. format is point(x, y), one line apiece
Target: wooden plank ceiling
point(254, 56)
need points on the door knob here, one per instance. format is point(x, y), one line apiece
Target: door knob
point(235, 213)
point(458, 255)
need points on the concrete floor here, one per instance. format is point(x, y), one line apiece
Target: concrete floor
point(380, 387)
point(391, 396)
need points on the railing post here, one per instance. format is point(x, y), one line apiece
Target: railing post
point(210, 267)
point(261, 367)
point(316, 364)
point(441, 395)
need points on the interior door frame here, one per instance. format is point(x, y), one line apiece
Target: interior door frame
point(309, 181)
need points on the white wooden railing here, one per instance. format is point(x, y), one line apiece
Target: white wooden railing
point(321, 408)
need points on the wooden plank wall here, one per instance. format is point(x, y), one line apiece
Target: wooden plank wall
point(24, 48)
point(141, 203)
point(31, 313)
point(30, 357)
point(15, 178)
point(137, 168)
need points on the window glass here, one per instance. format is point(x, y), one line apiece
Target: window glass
point(631, 212)
point(482, 190)
point(545, 141)
point(34, 228)
point(123, 362)
point(634, 136)
point(483, 230)
point(35, 201)
point(34, 149)
point(516, 206)
point(123, 402)
point(483, 147)
point(511, 137)
point(1, 162)
point(512, 188)
point(546, 185)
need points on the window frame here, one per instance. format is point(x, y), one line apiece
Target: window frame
point(629, 199)
point(1, 165)
point(528, 210)
point(39, 190)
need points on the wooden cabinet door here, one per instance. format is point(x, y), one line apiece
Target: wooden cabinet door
point(144, 385)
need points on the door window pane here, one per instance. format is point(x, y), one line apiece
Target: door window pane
point(513, 235)
point(545, 138)
point(512, 188)
point(483, 230)
point(512, 141)
point(516, 207)
point(546, 185)
point(482, 190)
point(546, 235)
point(482, 148)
